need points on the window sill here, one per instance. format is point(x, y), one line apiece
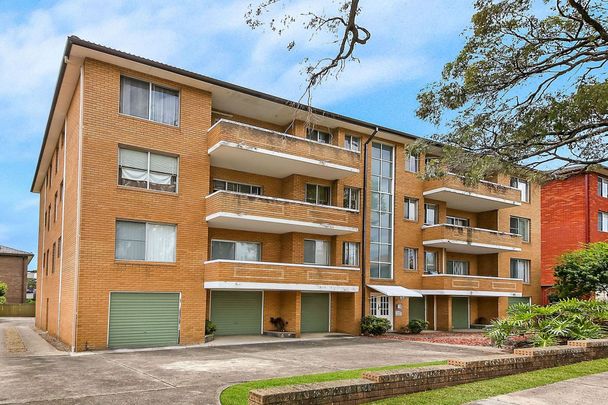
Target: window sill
point(414, 221)
point(147, 190)
point(144, 263)
point(148, 120)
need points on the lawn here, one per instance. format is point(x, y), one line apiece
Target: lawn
point(238, 394)
point(464, 393)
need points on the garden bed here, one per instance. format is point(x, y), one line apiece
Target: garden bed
point(452, 338)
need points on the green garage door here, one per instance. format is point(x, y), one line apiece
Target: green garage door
point(236, 312)
point(143, 319)
point(519, 300)
point(417, 309)
point(315, 312)
point(460, 313)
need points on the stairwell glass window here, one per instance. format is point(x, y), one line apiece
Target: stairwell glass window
point(147, 170)
point(602, 187)
point(381, 243)
point(602, 219)
point(317, 194)
point(458, 267)
point(352, 143)
point(410, 259)
point(521, 226)
point(351, 198)
point(316, 252)
point(236, 250)
point(350, 253)
point(431, 214)
point(145, 241)
point(318, 136)
point(523, 186)
point(147, 100)
point(410, 209)
point(520, 269)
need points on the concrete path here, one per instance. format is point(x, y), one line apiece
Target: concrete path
point(592, 389)
point(197, 375)
point(18, 338)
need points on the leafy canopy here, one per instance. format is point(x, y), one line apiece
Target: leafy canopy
point(582, 272)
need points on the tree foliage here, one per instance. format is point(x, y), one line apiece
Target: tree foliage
point(529, 87)
point(3, 290)
point(582, 272)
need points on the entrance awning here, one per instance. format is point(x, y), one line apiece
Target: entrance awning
point(395, 291)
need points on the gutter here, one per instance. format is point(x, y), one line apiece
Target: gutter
point(364, 222)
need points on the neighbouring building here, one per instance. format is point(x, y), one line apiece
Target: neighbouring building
point(574, 213)
point(168, 198)
point(13, 272)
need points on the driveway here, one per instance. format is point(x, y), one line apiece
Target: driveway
point(197, 374)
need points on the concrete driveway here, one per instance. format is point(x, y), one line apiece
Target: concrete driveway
point(196, 375)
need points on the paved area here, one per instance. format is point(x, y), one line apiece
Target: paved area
point(592, 389)
point(198, 374)
point(18, 338)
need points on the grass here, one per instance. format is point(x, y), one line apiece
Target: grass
point(238, 394)
point(464, 393)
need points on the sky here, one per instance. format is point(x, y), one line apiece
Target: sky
point(411, 41)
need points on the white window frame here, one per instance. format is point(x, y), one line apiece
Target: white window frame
point(350, 191)
point(436, 209)
point(526, 278)
point(450, 263)
point(525, 237)
point(412, 159)
point(458, 221)
point(149, 153)
point(436, 255)
point(348, 143)
point(151, 86)
point(347, 254)
point(235, 242)
point(145, 259)
point(602, 186)
point(317, 194)
point(328, 253)
point(602, 221)
point(523, 186)
point(238, 186)
point(406, 255)
point(407, 201)
point(316, 133)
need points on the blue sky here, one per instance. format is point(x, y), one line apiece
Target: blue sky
point(411, 41)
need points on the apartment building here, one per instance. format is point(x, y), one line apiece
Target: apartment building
point(574, 210)
point(169, 198)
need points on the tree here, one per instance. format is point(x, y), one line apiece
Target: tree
point(582, 272)
point(3, 290)
point(528, 90)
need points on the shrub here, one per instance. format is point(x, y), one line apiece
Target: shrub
point(210, 328)
point(415, 326)
point(279, 323)
point(374, 326)
point(3, 290)
point(533, 325)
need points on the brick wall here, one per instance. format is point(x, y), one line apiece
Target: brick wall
point(13, 272)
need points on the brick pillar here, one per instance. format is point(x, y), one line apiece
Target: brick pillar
point(298, 314)
point(503, 304)
point(444, 312)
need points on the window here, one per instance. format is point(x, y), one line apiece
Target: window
point(602, 187)
point(521, 226)
point(352, 143)
point(351, 198)
point(350, 253)
point(410, 209)
point(458, 267)
point(431, 214)
point(236, 250)
point(145, 241)
point(147, 170)
point(318, 136)
point(430, 165)
point(56, 159)
point(457, 221)
point(412, 163)
point(316, 252)
point(49, 214)
point(44, 263)
point(523, 186)
point(61, 191)
point(316, 194)
point(45, 220)
point(236, 187)
point(53, 258)
point(56, 206)
point(59, 247)
point(410, 259)
point(149, 101)
point(51, 173)
point(602, 221)
point(430, 262)
point(381, 244)
point(520, 269)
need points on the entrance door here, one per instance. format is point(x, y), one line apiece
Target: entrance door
point(460, 313)
point(382, 307)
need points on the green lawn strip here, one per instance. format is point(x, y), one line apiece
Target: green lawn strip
point(464, 393)
point(238, 394)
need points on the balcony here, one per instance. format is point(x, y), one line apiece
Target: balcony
point(449, 284)
point(280, 276)
point(469, 240)
point(250, 149)
point(246, 212)
point(485, 196)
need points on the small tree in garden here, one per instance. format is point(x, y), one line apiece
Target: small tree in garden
point(3, 290)
point(582, 272)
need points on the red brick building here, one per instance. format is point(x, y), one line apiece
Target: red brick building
point(574, 212)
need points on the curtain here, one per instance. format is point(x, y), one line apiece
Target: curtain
point(322, 252)
point(165, 105)
point(134, 97)
point(247, 251)
point(130, 240)
point(134, 174)
point(134, 159)
point(458, 268)
point(160, 243)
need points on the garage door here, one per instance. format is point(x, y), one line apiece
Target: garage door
point(143, 319)
point(315, 312)
point(236, 312)
point(460, 313)
point(519, 300)
point(417, 309)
